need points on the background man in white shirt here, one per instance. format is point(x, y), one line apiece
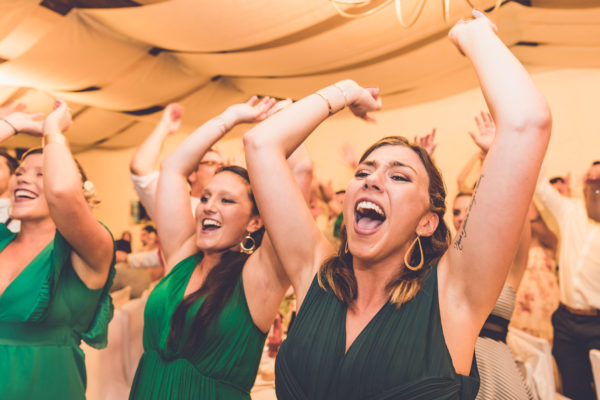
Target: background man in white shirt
point(143, 164)
point(577, 320)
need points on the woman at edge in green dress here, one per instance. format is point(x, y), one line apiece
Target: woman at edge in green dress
point(54, 273)
point(205, 323)
point(383, 319)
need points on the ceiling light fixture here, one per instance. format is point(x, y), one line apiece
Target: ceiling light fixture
point(352, 9)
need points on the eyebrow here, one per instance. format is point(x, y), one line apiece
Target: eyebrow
point(221, 192)
point(391, 164)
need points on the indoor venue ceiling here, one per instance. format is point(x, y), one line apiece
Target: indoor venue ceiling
point(119, 62)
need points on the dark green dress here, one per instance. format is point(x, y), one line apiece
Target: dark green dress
point(400, 354)
point(225, 363)
point(44, 314)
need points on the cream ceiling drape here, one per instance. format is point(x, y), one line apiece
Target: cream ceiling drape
point(119, 67)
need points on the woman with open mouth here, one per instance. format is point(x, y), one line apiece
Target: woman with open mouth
point(206, 321)
point(396, 313)
point(55, 274)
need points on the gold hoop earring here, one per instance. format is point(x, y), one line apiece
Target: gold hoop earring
point(409, 252)
point(247, 249)
point(346, 249)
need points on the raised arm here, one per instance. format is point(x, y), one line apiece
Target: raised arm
point(296, 238)
point(63, 187)
point(427, 142)
point(174, 219)
point(143, 162)
point(17, 122)
point(476, 265)
point(519, 264)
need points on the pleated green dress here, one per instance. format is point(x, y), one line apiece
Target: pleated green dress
point(400, 354)
point(44, 314)
point(223, 366)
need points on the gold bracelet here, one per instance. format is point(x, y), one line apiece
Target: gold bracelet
point(15, 131)
point(326, 101)
point(335, 85)
point(55, 137)
point(221, 122)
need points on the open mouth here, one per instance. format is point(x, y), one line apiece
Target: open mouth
point(24, 194)
point(369, 215)
point(209, 224)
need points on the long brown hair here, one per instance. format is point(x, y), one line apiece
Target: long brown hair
point(216, 289)
point(338, 271)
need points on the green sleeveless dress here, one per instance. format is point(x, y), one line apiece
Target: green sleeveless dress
point(400, 354)
point(44, 314)
point(225, 364)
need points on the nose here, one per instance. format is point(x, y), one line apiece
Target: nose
point(210, 205)
point(24, 177)
point(373, 181)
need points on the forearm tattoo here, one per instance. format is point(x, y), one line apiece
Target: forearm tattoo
point(458, 243)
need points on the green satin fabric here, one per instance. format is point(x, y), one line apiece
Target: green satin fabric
point(400, 354)
point(45, 312)
point(223, 366)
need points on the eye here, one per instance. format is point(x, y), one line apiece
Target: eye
point(400, 178)
point(361, 173)
point(455, 212)
point(204, 199)
point(227, 201)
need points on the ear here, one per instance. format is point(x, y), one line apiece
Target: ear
point(428, 224)
point(254, 224)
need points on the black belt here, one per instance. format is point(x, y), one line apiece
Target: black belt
point(588, 313)
point(495, 327)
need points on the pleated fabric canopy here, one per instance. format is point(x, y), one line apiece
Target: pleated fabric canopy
point(118, 66)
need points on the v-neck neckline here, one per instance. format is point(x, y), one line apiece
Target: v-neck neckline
point(363, 331)
point(197, 258)
point(32, 262)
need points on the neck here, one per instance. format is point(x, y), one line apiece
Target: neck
point(209, 261)
point(36, 229)
point(372, 280)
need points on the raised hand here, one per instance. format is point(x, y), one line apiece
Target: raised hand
point(59, 120)
point(252, 111)
point(280, 105)
point(427, 142)
point(366, 100)
point(171, 117)
point(487, 131)
point(466, 30)
point(349, 155)
point(28, 123)
point(9, 109)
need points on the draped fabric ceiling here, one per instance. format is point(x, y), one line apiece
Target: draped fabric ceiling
point(118, 67)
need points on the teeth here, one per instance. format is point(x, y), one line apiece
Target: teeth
point(210, 222)
point(367, 205)
point(25, 193)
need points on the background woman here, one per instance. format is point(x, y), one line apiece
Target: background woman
point(206, 321)
point(54, 274)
